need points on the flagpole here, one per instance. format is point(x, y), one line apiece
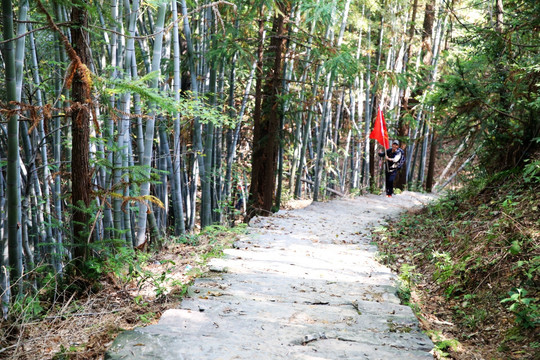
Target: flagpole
point(385, 137)
point(385, 161)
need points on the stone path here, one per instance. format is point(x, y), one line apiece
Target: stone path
point(303, 284)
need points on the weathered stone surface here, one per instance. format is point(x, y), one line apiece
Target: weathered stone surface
point(303, 285)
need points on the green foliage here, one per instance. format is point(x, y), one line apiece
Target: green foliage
point(344, 63)
point(147, 318)
point(138, 86)
point(217, 237)
point(407, 274)
point(407, 278)
point(447, 271)
point(376, 190)
point(318, 11)
point(531, 170)
point(154, 3)
point(446, 344)
point(113, 259)
point(526, 309)
point(188, 239)
point(476, 318)
point(129, 267)
point(442, 346)
point(529, 267)
point(357, 192)
point(490, 90)
point(215, 230)
point(66, 353)
point(159, 282)
point(27, 308)
point(189, 107)
point(216, 251)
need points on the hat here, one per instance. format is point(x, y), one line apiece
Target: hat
point(395, 142)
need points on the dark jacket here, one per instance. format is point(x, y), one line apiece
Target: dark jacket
point(396, 159)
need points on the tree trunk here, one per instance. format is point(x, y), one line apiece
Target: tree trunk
point(499, 16)
point(5, 289)
point(451, 162)
point(327, 109)
point(431, 164)
point(426, 55)
point(265, 133)
point(403, 121)
point(321, 141)
point(287, 73)
point(60, 58)
point(31, 177)
point(306, 134)
point(231, 151)
point(427, 31)
point(80, 115)
point(176, 188)
point(207, 179)
point(46, 192)
point(469, 159)
point(372, 147)
point(198, 161)
point(358, 84)
point(304, 142)
point(13, 169)
point(149, 131)
point(368, 147)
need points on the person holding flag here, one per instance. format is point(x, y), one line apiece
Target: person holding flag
point(394, 156)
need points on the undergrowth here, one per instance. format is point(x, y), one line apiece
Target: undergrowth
point(470, 266)
point(129, 288)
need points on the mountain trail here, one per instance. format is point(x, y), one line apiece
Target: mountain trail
point(302, 284)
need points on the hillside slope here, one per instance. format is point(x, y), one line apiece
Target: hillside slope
point(469, 267)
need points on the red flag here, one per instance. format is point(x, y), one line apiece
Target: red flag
point(380, 133)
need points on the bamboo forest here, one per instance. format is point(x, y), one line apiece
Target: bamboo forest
point(126, 125)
